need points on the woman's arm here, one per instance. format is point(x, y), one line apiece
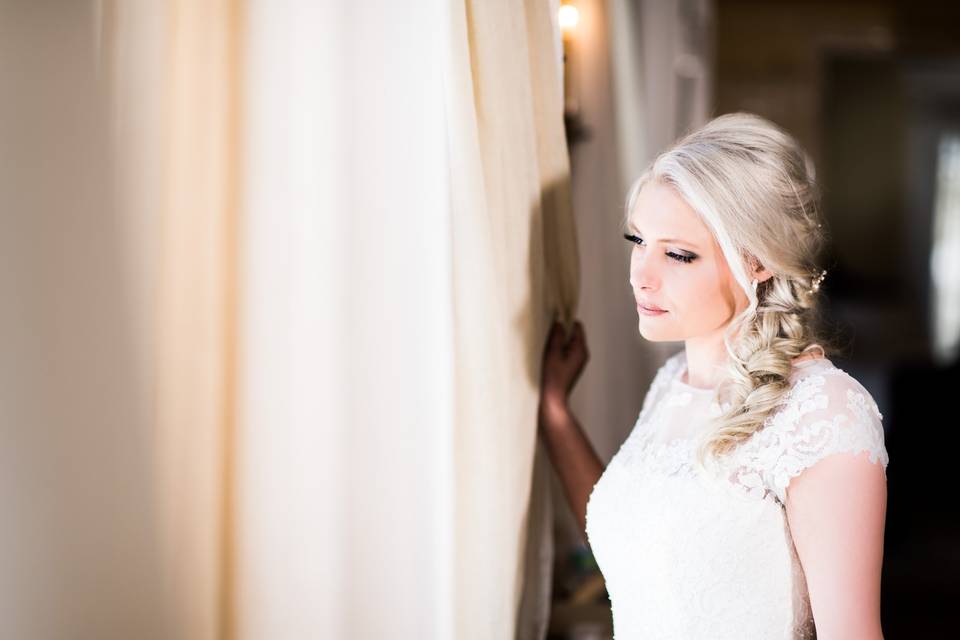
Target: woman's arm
point(577, 464)
point(836, 511)
point(572, 456)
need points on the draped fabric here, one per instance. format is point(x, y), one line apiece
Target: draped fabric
point(173, 70)
point(431, 307)
point(525, 206)
point(197, 316)
point(359, 226)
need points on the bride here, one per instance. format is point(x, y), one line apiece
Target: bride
point(749, 499)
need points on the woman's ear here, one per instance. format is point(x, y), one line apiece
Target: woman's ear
point(757, 270)
point(762, 275)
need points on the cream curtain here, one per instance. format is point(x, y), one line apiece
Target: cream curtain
point(174, 71)
point(515, 194)
point(407, 181)
point(349, 227)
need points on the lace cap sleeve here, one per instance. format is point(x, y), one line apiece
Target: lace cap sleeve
point(826, 412)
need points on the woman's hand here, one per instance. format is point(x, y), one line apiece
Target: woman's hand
point(564, 358)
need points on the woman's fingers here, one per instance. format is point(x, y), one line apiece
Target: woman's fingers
point(562, 340)
point(556, 335)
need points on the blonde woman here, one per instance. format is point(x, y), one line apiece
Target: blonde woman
point(749, 499)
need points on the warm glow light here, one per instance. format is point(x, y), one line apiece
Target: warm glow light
point(569, 16)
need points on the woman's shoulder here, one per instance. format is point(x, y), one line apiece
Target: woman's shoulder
point(821, 378)
point(825, 412)
point(814, 357)
point(808, 357)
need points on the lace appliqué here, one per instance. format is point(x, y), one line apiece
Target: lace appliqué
point(817, 420)
point(681, 399)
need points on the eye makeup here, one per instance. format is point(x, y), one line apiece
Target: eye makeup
point(686, 259)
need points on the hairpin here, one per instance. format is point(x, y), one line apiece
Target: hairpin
point(817, 281)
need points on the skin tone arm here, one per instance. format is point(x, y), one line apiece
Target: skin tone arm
point(577, 464)
point(836, 511)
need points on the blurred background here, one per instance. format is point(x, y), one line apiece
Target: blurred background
point(277, 275)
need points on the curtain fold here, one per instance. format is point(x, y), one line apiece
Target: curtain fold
point(197, 313)
point(362, 227)
point(174, 73)
point(504, 306)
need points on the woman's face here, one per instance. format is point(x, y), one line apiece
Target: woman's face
point(678, 266)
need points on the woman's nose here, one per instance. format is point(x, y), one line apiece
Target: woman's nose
point(643, 271)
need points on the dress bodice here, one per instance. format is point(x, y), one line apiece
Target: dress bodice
point(688, 553)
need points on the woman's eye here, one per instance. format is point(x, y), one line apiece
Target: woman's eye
point(674, 256)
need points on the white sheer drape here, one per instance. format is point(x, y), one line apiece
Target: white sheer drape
point(406, 184)
point(346, 519)
point(280, 275)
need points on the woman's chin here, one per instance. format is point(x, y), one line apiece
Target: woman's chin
point(653, 334)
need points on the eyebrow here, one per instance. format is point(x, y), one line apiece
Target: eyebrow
point(633, 227)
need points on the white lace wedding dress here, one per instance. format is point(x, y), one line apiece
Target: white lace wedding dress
point(692, 556)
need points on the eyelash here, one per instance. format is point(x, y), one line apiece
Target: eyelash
point(676, 256)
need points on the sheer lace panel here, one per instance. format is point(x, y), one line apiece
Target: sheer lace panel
point(826, 412)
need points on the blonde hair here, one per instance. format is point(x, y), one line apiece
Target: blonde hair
point(755, 189)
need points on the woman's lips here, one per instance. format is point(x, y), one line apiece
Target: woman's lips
point(649, 311)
